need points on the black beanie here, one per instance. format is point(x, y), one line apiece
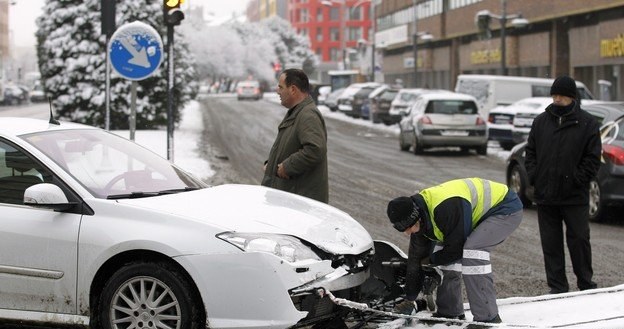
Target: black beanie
point(564, 86)
point(402, 209)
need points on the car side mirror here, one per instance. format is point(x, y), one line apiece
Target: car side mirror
point(47, 196)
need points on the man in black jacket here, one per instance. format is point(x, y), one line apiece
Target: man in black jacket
point(562, 156)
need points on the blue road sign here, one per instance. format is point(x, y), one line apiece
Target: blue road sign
point(135, 50)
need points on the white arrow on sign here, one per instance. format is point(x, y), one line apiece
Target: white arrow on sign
point(139, 57)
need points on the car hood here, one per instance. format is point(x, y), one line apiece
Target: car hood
point(257, 209)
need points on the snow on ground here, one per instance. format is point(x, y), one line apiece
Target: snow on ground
point(598, 308)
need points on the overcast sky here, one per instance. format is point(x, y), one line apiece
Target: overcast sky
point(22, 16)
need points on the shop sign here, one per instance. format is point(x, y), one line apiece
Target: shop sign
point(612, 47)
point(486, 56)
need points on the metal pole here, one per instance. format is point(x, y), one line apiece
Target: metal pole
point(343, 42)
point(170, 82)
point(415, 44)
point(372, 37)
point(107, 91)
point(503, 22)
point(133, 96)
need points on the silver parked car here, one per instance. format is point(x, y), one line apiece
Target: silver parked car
point(443, 119)
point(99, 231)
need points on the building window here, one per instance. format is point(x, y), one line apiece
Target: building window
point(319, 34)
point(334, 34)
point(334, 54)
point(305, 17)
point(355, 33)
point(355, 14)
point(319, 14)
point(334, 14)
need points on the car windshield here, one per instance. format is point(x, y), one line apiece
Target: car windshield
point(389, 95)
point(106, 164)
point(451, 107)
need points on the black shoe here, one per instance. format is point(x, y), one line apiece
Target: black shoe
point(496, 319)
point(592, 285)
point(556, 291)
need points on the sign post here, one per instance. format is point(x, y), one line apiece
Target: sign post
point(136, 52)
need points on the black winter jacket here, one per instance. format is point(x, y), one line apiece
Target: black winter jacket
point(563, 155)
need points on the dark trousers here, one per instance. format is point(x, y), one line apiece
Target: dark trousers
point(575, 217)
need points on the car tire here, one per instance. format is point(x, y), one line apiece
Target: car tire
point(418, 147)
point(153, 293)
point(595, 203)
point(507, 146)
point(482, 150)
point(404, 147)
point(517, 182)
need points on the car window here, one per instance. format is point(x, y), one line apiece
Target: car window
point(18, 172)
point(106, 164)
point(451, 107)
point(389, 95)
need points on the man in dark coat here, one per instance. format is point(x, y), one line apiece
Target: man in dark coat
point(562, 156)
point(298, 159)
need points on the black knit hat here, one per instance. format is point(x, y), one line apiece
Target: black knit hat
point(565, 86)
point(403, 213)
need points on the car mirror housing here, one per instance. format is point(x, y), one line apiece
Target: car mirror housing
point(46, 195)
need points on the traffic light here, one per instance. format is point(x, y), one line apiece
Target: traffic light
point(172, 13)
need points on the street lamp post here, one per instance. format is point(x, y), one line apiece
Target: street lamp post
point(483, 19)
point(415, 36)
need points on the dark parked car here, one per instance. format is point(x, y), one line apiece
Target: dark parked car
point(332, 99)
point(359, 99)
point(380, 109)
point(608, 187)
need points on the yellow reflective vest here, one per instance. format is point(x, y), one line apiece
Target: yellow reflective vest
point(481, 193)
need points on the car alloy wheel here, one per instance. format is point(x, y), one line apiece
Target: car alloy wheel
point(595, 206)
point(148, 296)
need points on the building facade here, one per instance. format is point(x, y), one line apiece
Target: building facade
point(4, 34)
point(581, 38)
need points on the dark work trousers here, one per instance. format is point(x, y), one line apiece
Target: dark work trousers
point(575, 217)
point(476, 270)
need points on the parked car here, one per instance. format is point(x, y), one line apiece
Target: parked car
point(502, 90)
point(525, 111)
point(443, 119)
point(249, 89)
point(381, 108)
point(501, 119)
point(98, 230)
point(14, 95)
point(323, 92)
point(332, 99)
point(404, 99)
point(345, 101)
point(608, 187)
point(370, 103)
point(37, 94)
point(360, 98)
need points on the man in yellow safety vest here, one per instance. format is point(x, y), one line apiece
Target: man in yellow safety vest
point(454, 226)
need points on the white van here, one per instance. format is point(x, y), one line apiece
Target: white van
point(498, 90)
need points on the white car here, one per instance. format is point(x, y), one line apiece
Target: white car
point(443, 119)
point(525, 110)
point(97, 230)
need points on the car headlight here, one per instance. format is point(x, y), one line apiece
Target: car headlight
point(286, 247)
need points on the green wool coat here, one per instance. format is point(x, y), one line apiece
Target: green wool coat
point(301, 145)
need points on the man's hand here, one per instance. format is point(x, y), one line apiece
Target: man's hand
point(281, 172)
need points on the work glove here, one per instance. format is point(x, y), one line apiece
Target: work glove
point(433, 276)
point(408, 307)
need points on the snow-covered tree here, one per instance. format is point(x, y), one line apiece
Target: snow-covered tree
point(239, 50)
point(291, 48)
point(71, 52)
